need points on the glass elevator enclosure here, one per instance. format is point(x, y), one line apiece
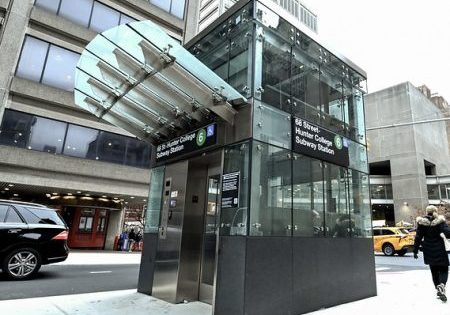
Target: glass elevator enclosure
point(259, 190)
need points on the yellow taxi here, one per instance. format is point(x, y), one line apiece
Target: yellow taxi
point(392, 240)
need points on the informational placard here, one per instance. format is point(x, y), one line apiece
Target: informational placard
point(190, 142)
point(230, 190)
point(317, 142)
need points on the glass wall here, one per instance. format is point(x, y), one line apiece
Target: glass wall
point(295, 74)
point(48, 64)
point(154, 204)
point(88, 13)
point(233, 220)
point(52, 136)
point(381, 191)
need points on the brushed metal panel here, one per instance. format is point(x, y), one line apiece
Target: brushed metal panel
point(167, 260)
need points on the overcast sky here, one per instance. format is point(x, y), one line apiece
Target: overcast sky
point(392, 40)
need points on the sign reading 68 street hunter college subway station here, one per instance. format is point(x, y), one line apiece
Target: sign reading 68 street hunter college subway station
point(190, 142)
point(317, 142)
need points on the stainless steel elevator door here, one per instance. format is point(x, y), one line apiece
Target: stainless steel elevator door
point(208, 263)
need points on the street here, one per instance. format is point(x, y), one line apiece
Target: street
point(83, 272)
point(397, 263)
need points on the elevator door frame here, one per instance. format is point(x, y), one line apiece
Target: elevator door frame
point(206, 292)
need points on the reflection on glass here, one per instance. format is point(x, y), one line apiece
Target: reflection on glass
point(308, 197)
point(271, 125)
point(78, 141)
point(154, 200)
point(359, 204)
point(15, 129)
point(32, 59)
point(60, 68)
point(337, 218)
point(233, 220)
point(271, 191)
point(433, 192)
point(47, 135)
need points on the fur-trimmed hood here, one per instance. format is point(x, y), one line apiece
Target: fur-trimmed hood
point(429, 220)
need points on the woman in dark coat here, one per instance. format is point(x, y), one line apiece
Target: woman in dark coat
point(429, 228)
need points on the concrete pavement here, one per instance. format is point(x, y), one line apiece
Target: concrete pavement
point(406, 289)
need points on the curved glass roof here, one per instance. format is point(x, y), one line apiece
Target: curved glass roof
point(137, 77)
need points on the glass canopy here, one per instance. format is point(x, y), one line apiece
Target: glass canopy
point(137, 77)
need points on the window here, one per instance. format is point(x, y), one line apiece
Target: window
point(174, 7)
point(81, 142)
point(3, 211)
point(104, 17)
point(50, 5)
point(86, 220)
point(433, 192)
point(387, 232)
point(32, 59)
point(101, 225)
point(76, 11)
point(54, 67)
point(60, 68)
point(35, 215)
point(12, 216)
point(46, 135)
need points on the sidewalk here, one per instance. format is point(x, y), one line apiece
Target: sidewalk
point(408, 292)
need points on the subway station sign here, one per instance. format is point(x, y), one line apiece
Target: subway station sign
point(317, 142)
point(196, 140)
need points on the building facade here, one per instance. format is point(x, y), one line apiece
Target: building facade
point(409, 161)
point(51, 151)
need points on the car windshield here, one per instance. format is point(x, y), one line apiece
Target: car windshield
point(38, 215)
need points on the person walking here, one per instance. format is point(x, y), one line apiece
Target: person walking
point(131, 239)
point(429, 228)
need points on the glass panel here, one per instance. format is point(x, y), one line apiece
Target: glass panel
point(305, 80)
point(272, 125)
point(76, 11)
point(271, 191)
point(138, 153)
point(47, 135)
point(233, 220)
point(337, 218)
point(177, 8)
point(378, 191)
point(388, 188)
point(308, 197)
point(32, 59)
point(358, 156)
point(60, 68)
point(443, 191)
point(356, 115)
point(163, 4)
point(111, 147)
point(3, 211)
point(103, 17)
point(240, 73)
point(359, 204)
point(51, 5)
point(276, 63)
point(13, 217)
point(214, 53)
point(16, 129)
point(81, 142)
point(154, 200)
point(433, 192)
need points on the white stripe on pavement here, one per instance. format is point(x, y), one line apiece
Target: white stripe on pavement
point(106, 271)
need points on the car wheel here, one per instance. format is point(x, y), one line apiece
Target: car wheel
point(402, 252)
point(22, 263)
point(388, 249)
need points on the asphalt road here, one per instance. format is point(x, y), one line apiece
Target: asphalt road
point(71, 279)
point(399, 263)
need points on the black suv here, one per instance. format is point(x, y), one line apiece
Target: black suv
point(31, 235)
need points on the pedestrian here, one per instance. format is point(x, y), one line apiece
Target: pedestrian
point(131, 239)
point(429, 228)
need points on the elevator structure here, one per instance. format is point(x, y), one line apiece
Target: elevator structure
point(259, 195)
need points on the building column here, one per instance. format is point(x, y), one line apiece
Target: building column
point(114, 228)
point(11, 39)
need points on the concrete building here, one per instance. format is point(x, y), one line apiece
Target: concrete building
point(51, 151)
point(405, 157)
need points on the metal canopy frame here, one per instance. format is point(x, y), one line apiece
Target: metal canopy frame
point(137, 77)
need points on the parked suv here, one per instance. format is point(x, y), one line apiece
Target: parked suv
point(392, 240)
point(31, 235)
